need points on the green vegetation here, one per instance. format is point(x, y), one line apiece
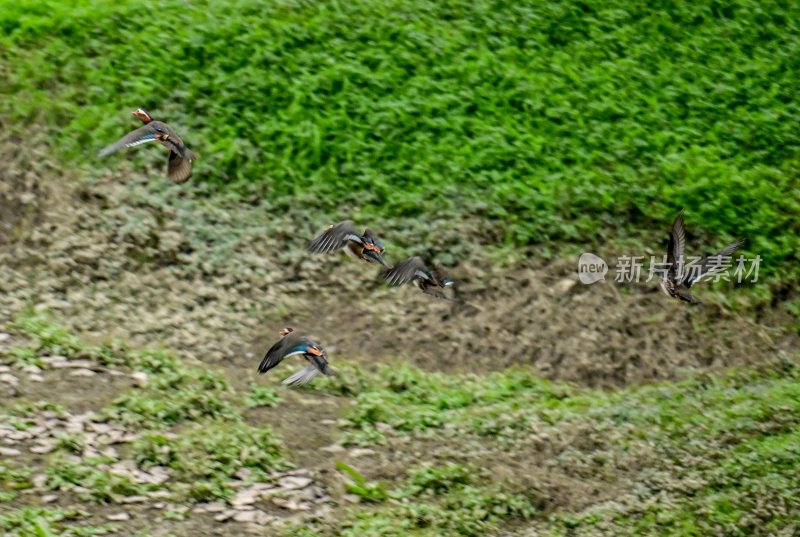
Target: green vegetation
point(39, 522)
point(553, 123)
point(188, 420)
point(206, 455)
point(261, 396)
point(709, 453)
point(704, 456)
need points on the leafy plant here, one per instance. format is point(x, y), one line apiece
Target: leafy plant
point(370, 492)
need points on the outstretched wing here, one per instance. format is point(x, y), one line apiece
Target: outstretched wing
point(142, 135)
point(405, 272)
point(287, 346)
point(710, 265)
point(273, 357)
point(677, 241)
point(334, 237)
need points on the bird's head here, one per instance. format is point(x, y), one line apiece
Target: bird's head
point(142, 115)
point(372, 248)
point(446, 282)
point(286, 331)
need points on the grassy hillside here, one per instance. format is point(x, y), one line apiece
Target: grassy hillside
point(491, 455)
point(573, 122)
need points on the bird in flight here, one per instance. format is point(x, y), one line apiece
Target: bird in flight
point(344, 235)
point(179, 166)
point(293, 344)
point(679, 277)
point(415, 271)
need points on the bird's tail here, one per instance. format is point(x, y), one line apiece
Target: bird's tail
point(302, 377)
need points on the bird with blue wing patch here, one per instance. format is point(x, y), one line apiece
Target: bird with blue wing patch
point(179, 165)
point(293, 344)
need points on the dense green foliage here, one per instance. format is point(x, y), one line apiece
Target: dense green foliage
point(565, 121)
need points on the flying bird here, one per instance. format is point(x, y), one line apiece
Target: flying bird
point(677, 280)
point(179, 166)
point(414, 270)
point(293, 344)
point(344, 235)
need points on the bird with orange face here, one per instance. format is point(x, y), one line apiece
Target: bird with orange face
point(179, 166)
point(343, 235)
point(293, 344)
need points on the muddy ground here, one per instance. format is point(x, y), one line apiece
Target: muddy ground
point(127, 255)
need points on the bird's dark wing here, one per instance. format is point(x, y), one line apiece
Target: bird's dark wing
point(405, 271)
point(709, 265)
point(677, 242)
point(279, 351)
point(334, 237)
point(140, 136)
point(179, 170)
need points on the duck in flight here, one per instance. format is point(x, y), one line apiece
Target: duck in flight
point(364, 246)
point(179, 166)
point(415, 271)
point(293, 344)
point(677, 280)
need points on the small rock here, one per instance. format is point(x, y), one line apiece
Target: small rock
point(30, 368)
point(4, 369)
point(562, 286)
point(8, 378)
point(293, 482)
point(79, 364)
point(333, 448)
point(383, 427)
point(35, 378)
point(362, 452)
point(244, 474)
point(39, 480)
point(42, 449)
point(9, 452)
point(133, 499)
point(246, 497)
point(139, 377)
point(327, 422)
point(49, 498)
point(4, 336)
point(291, 505)
point(256, 516)
point(118, 517)
point(82, 372)
point(99, 427)
point(212, 507)
point(225, 515)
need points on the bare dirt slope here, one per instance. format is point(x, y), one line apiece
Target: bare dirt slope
point(155, 265)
